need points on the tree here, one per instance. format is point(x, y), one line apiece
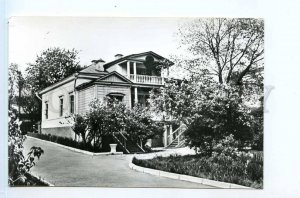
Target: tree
point(140, 126)
point(230, 49)
point(16, 83)
point(51, 66)
point(210, 110)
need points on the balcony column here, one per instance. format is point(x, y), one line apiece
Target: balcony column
point(134, 71)
point(135, 95)
point(128, 70)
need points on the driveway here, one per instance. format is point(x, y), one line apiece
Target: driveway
point(63, 167)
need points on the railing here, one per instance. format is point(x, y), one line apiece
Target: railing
point(145, 79)
point(122, 140)
point(177, 134)
point(123, 143)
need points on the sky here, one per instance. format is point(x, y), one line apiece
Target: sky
point(93, 37)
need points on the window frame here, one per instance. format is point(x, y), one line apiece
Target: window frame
point(46, 110)
point(72, 103)
point(61, 106)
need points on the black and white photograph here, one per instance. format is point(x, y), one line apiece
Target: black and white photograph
point(136, 102)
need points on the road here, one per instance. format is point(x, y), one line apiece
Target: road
point(63, 167)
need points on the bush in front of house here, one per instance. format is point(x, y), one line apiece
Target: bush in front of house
point(66, 141)
point(139, 125)
point(226, 164)
point(111, 116)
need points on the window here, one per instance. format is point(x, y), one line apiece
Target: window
point(61, 107)
point(71, 104)
point(46, 110)
point(117, 96)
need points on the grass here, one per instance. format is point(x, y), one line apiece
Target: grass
point(205, 167)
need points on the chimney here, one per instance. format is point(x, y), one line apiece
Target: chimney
point(99, 64)
point(118, 56)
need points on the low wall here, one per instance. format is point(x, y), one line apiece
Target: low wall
point(60, 131)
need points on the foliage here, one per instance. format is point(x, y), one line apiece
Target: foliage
point(230, 49)
point(103, 119)
point(140, 126)
point(16, 83)
point(227, 164)
point(209, 109)
point(255, 167)
point(19, 165)
point(79, 126)
point(66, 141)
point(113, 116)
point(51, 66)
point(21, 96)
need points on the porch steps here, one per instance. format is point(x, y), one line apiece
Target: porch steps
point(126, 144)
point(179, 140)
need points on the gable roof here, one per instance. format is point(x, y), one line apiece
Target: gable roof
point(116, 74)
point(107, 65)
point(106, 79)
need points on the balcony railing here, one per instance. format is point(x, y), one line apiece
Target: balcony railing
point(144, 79)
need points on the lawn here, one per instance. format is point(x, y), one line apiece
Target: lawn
point(238, 171)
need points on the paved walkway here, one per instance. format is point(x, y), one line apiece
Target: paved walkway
point(63, 167)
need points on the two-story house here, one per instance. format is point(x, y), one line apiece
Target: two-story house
point(127, 78)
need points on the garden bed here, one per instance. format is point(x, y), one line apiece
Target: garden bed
point(71, 143)
point(204, 167)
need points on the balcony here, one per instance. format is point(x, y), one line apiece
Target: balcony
point(145, 79)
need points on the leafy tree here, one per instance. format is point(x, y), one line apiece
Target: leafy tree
point(210, 110)
point(104, 118)
point(140, 126)
point(16, 83)
point(224, 81)
point(110, 116)
point(79, 126)
point(230, 49)
point(51, 66)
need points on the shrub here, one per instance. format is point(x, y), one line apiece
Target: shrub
point(66, 141)
point(110, 116)
point(255, 167)
point(19, 165)
point(226, 164)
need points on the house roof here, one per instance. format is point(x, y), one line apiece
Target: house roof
point(102, 80)
point(116, 74)
point(93, 72)
point(92, 69)
point(107, 65)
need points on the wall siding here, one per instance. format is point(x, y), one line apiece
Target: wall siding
point(103, 90)
point(85, 97)
point(113, 78)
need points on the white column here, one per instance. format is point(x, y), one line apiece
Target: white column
point(135, 95)
point(134, 71)
point(171, 135)
point(128, 69)
point(165, 136)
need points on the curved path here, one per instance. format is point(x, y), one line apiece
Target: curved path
point(63, 167)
